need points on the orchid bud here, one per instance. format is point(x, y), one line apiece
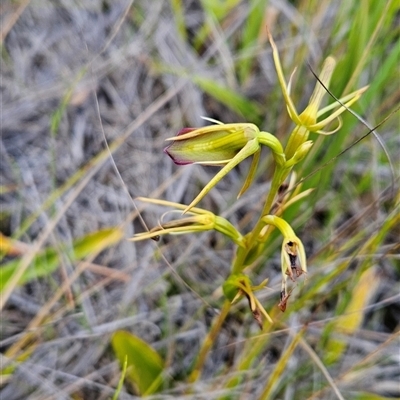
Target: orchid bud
point(210, 145)
point(222, 144)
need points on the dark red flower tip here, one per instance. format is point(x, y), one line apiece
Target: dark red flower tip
point(176, 161)
point(186, 130)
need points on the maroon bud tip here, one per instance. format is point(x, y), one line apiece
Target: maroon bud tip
point(186, 130)
point(176, 161)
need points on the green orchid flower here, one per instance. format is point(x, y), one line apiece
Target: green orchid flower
point(293, 255)
point(198, 220)
point(222, 144)
point(309, 120)
point(239, 285)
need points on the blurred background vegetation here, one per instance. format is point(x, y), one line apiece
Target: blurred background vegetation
point(78, 76)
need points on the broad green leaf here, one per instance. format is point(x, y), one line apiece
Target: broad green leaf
point(47, 261)
point(145, 366)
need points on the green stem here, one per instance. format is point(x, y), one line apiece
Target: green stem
point(209, 341)
point(279, 368)
point(280, 175)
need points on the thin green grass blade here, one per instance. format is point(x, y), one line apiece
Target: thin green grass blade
point(216, 11)
point(179, 16)
point(55, 121)
point(251, 31)
point(279, 369)
point(369, 396)
point(230, 98)
point(47, 261)
point(350, 320)
point(384, 76)
point(121, 379)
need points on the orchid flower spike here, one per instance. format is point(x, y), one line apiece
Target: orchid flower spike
point(293, 255)
point(222, 144)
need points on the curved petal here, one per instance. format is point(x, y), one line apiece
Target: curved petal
point(252, 173)
point(284, 87)
point(327, 133)
point(250, 148)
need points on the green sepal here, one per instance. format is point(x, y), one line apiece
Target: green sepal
point(231, 285)
point(252, 173)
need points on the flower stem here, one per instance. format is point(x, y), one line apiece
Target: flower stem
point(209, 341)
point(280, 175)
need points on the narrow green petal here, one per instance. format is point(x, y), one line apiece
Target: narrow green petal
point(325, 77)
point(318, 126)
point(284, 87)
point(178, 230)
point(327, 133)
point(172, 204)
point(252, 173)
point(297, 197)
point(343, 100)
point(250, 148)
point(302, 255)
point(263, 311)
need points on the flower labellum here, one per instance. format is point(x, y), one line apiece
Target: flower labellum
point(293, 255)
